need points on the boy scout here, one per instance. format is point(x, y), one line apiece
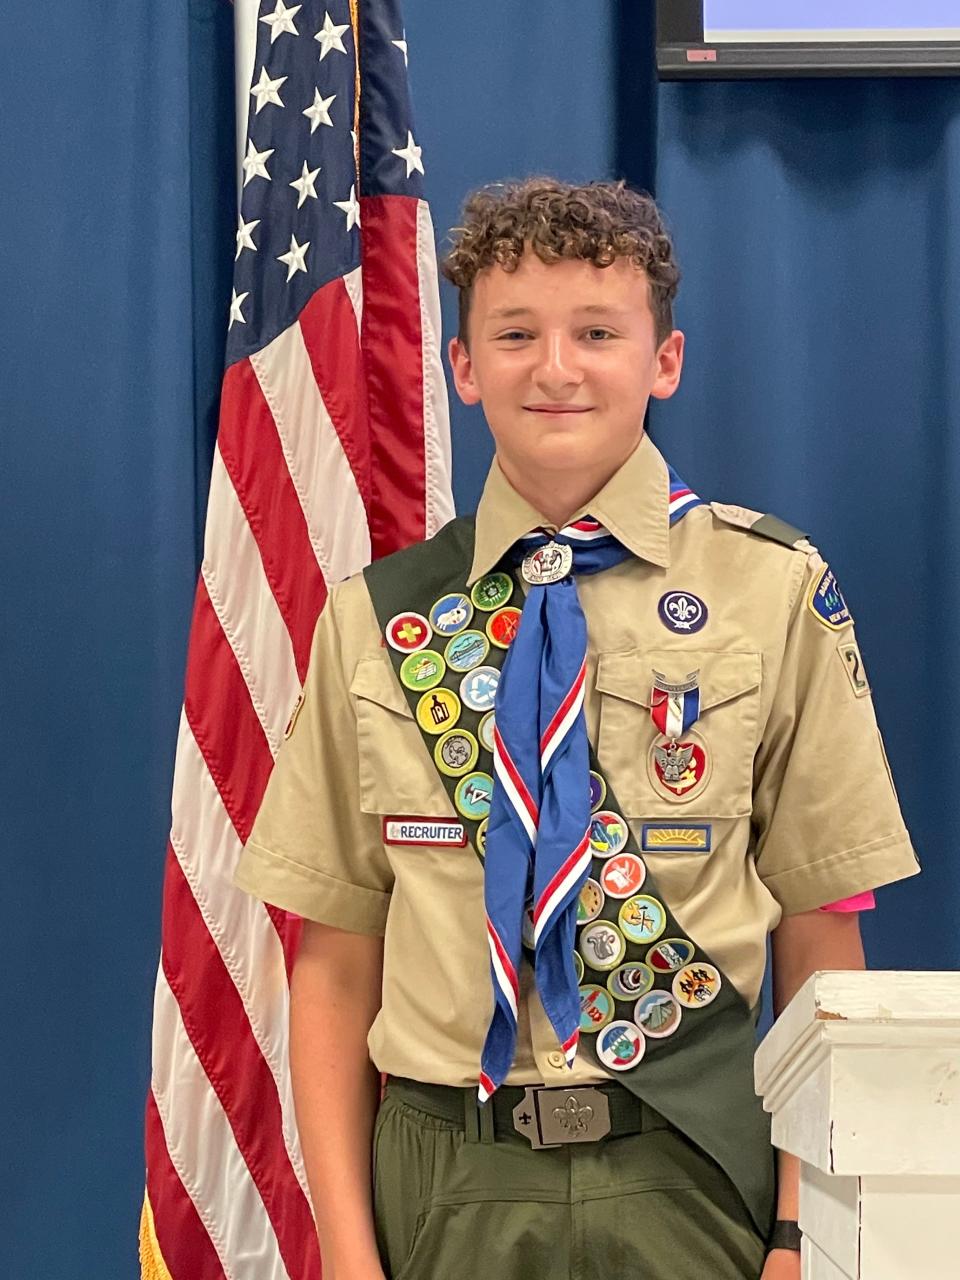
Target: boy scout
point(555, 776)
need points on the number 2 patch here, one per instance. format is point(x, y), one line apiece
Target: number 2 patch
point(853, 666)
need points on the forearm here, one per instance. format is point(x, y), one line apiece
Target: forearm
point(336, 1092)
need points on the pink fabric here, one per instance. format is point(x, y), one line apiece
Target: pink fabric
point(859, 902)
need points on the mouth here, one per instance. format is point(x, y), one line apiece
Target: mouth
point(556, 408)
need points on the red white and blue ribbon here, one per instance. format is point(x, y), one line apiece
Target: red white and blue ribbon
point(675, 706)
point(537, 846)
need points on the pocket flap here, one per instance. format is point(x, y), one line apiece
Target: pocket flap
point(375, 680)
point(723, 675)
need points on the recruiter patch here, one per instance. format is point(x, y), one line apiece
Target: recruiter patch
point(826, 602)
point(426, 831)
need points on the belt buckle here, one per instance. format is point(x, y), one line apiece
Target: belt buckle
point(550, 1117)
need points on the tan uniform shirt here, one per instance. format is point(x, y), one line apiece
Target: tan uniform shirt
point(799, 802)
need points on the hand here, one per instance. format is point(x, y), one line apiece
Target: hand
point(781, 1264)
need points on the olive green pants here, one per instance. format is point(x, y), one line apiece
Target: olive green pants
point(648, 1206)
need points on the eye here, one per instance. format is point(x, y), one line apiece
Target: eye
point(603, 333)
point(512, 335)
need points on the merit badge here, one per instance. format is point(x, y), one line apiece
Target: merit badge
point(678, 770)
point(478, 688)
point(451, 614)
point(682, 612)
point(422, 670)
point(631, 980)
point(670, 955)
point(826, 602)
point(620, 1045)
point(602, 945)
point(675, 705)
point(528, 930)
point(578, 965)
point(853, 665)
point(657, 1014)
point(293, 715)
point(598, 791)
point(590, 902)
point(432, 831)
point(408, 632)
point(466, 650)
point(622, 875)
point(502, 626)
point(438, 711)
point(480, 839)
point(664, 837)
point(696, 985)
point(547, 564)
point(491, 591)
point(608, 832)
point(596, 1008)
point(472, 796)
point(485, 731)
point(642, 918)
point(456, 752)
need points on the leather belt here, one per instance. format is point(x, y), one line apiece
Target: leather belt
point(545, 1115)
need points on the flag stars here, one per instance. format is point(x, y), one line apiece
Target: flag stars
point(245, 237)
point(400, 44)
point(329, 37)
point(267, 90)
point(410, 155)
point(255, 163)
point(351, 208)
point(236, 302)
point(319, 112)
point(304, 184)
point(281, 20)
point(293, 259)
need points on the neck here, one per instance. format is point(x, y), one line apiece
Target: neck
point(559, 495)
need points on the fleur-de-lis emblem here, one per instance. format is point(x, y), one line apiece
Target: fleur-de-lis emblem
point(573, 1117)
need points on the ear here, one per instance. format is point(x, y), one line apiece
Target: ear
point(462, 366)
point(669, 365)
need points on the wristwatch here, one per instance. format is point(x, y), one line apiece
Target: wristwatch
point(785, 1235)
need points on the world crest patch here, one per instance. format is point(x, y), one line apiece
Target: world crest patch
point(826, 602)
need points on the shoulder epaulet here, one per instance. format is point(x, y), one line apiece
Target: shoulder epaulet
point(764, 526)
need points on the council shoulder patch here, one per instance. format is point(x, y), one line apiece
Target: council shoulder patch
point(826, 602)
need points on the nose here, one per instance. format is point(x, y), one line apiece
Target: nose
point(557, 365)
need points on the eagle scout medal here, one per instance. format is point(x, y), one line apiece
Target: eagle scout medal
point(642, 918)
point(478, 688)
point(472, 796)
point(630, 981)
point(620, 1045)
point(598, 791)
point(407, 632)
point(451, 614)
point(657, 1014)
point(590, 902)
point(682, 612)
point(602, 946)
point(547, 564)
point(466, 650)
point(491, 591)
point(608, 832)
point(502, 626)
point(456, 752)
point(438, 711)
point(678, 770)
point(670, 955)
point(596, 1008)
point(675, 705)
point(422, 670)
point(623, 875)
point(697, 985)
point(827, 604)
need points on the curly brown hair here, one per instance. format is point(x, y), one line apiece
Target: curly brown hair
point(598, 222)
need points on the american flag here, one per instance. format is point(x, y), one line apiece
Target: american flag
point(333, 448)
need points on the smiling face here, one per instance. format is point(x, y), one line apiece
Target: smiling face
point(564, 359)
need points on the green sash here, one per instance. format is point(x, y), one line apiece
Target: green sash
point(700, 1077)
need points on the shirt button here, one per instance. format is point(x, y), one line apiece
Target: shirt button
point(556, 1059)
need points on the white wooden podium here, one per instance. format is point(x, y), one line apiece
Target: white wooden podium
point(861, 1074)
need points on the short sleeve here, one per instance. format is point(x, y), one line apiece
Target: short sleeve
point(826, 817)
point(312, 850)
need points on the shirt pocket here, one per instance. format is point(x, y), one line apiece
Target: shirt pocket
point(395, 774)
point(728, 726)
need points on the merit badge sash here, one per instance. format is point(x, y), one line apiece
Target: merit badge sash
point(657, 1013)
